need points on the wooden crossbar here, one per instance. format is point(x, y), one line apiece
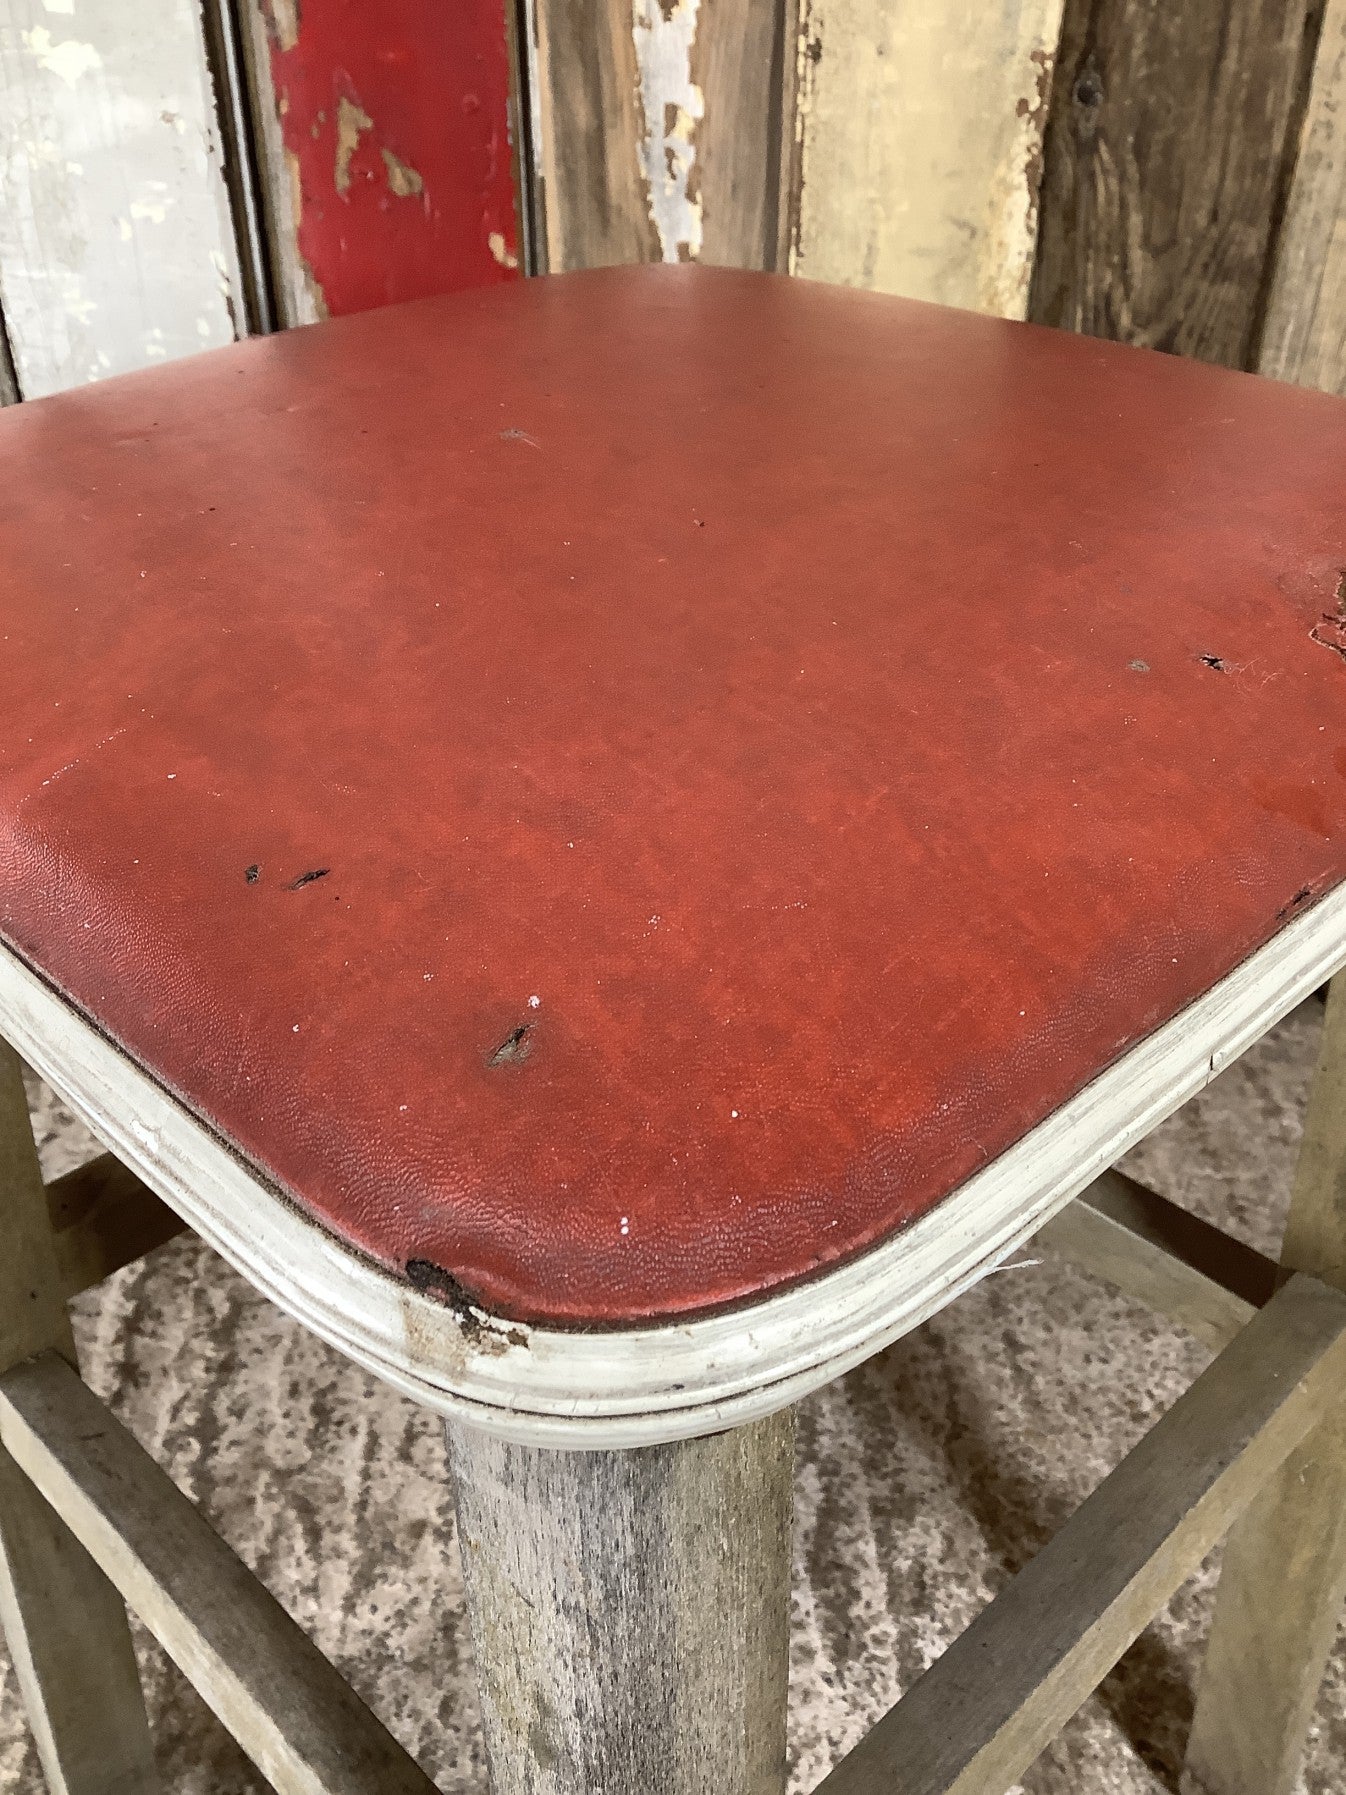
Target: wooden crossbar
point(102, 1218)
point(1162, 1254)
point(289, 1709)
point(980, 1715)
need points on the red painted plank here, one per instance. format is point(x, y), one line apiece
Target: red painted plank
point(395, 122)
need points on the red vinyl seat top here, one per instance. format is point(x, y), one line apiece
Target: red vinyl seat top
point(619, 792)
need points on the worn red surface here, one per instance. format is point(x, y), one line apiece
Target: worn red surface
point(764, 747)
point(396, 115)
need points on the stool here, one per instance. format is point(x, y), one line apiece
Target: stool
point(613, 844)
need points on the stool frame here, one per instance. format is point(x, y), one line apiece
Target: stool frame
point(629, 1605)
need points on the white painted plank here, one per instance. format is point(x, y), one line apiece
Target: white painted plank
point(116, 247)
point(917, 161)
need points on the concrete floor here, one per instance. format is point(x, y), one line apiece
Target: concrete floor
point(924, 1480)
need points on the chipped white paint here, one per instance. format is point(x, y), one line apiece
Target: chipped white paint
point(116, 247)
point(635, 1386)
point(673, 106)
point(918, 144)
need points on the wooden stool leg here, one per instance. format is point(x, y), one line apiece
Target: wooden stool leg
point(64, 1623)
point(1283, 1581)
point(630, 1611)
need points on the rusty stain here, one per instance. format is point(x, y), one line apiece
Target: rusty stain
point(403, 180)
point(352, 122)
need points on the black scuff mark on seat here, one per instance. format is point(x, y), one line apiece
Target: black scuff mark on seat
point(1297, 902)
point(480, 1328)
point(319, 872)
point(1215, 661)
point(515, 1048)
point(253, 874)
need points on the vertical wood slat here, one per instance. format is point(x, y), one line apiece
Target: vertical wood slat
point(116, 243)
point(917, 147)
point(384, 141)
point(1304, 331)
point(1170, 135)
point(660, 130)
point(64, 1623)
point(630, 1611)
point(1283, 1579)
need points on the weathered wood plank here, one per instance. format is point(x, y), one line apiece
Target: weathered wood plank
point(384, 143)
point(1166, 153)
point(1283, 1579)
point(660, 129)
point(63, 1621)
point(116, 244)
point(288, 1708)
point(980, 1715)
point(918, 147)
point(1165, 1256)
point(103, 1217)
point(1304, 331)
point(630, 1611)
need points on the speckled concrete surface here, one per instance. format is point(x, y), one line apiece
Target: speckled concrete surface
point(923, 1481)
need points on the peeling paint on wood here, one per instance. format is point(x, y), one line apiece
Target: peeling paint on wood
point(673, 107)
point(1304, 332)
point(116, 245)
point(917, 151)
point(385, 144)
point(658, 123)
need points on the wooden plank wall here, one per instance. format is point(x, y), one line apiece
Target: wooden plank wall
point(387, 139)
point(116, 246)
point(1167, 175)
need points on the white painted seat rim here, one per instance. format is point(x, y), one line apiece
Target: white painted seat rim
point(637, 1386)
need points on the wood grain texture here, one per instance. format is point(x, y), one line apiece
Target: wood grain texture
point(659, 126)
point(384, 144)
point(918, 146)
point(1161, 1254)
point(1171, 129)
point(63, 1621)
point(1304, 330)
point(1283, 1579)
point(629, 1611)
point(288, 1708)
point(103, 1217)
point(116, 244)
point(980, 1715)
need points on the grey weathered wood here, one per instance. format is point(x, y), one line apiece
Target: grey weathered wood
point(102, 1218)
point(288, 1708)
point(1186, 1268)
point(1169, 139)
point(64, 1622)
point(1304, 330)
point(980, 1715)
point(630, 1611)
point(1283, 1579)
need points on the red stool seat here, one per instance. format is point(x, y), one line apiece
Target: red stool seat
point(619, 792)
